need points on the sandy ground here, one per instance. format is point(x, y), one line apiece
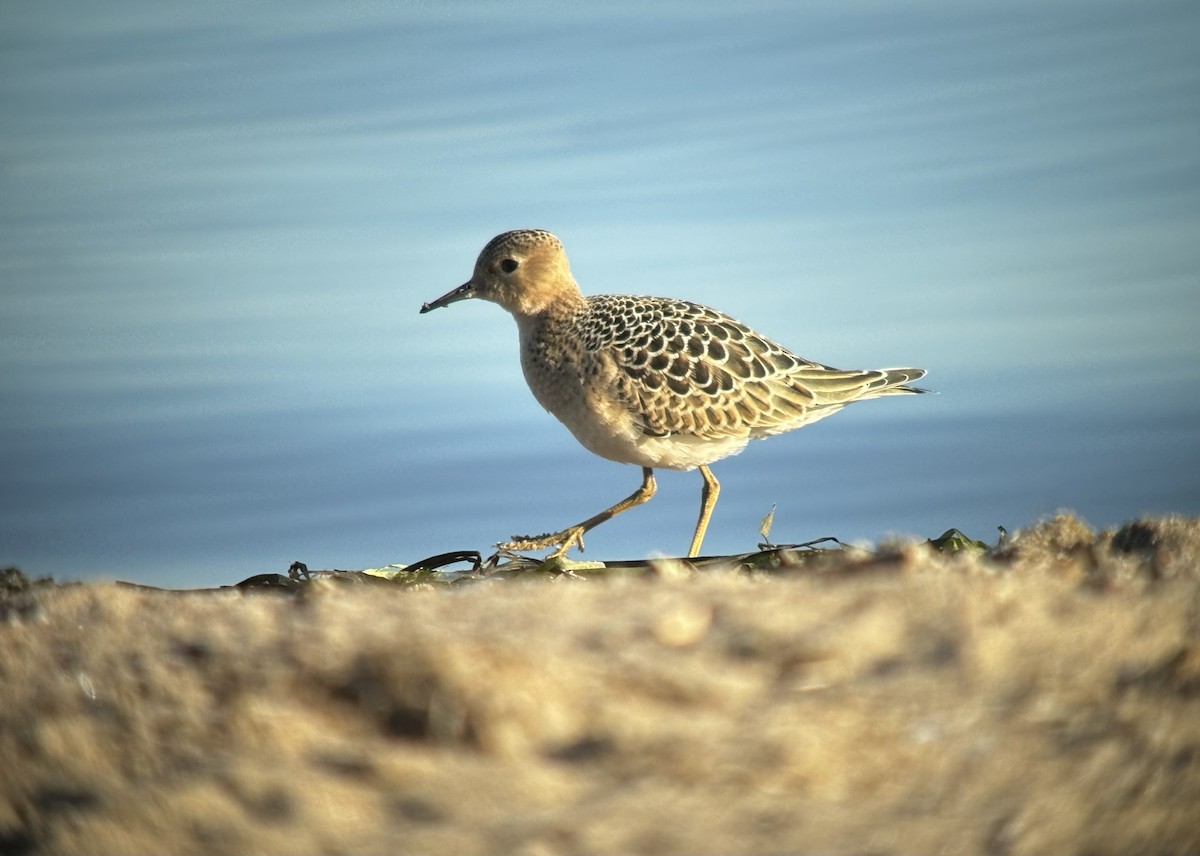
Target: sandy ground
point(1043, 700)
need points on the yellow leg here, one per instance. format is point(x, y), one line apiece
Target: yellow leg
point(574, 534)
point(708, 501)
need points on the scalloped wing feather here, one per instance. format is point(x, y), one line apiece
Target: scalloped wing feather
point(683, 368)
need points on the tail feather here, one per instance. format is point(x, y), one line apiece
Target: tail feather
point(828, 386)
point(898, 380)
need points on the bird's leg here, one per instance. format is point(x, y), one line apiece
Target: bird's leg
point(708, 501)
point(574, 534)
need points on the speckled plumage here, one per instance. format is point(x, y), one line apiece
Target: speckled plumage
point(652, 381)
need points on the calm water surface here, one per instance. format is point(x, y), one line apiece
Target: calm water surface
point(218, 225)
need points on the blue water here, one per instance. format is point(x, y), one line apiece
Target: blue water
point(217, 223)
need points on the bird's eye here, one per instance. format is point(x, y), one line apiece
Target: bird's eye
point(508, 265)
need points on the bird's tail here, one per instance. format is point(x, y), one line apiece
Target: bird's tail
point(896, 382)
point(826, 386)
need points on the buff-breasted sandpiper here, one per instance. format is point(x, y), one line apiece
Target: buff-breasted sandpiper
point(651, 381)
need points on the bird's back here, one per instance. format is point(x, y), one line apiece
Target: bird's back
point(684, 368)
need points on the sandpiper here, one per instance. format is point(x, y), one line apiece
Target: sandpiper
point(651, 381)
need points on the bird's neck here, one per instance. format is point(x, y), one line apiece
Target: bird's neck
point(564, 305)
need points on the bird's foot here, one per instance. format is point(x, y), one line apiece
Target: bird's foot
point(564, 540)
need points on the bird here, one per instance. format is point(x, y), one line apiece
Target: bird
point(656, 382)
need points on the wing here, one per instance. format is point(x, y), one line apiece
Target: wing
point(683, 368)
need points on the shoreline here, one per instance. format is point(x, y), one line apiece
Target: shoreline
point(1035, 698)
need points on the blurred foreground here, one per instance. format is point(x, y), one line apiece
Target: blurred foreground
point(1042, 699)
